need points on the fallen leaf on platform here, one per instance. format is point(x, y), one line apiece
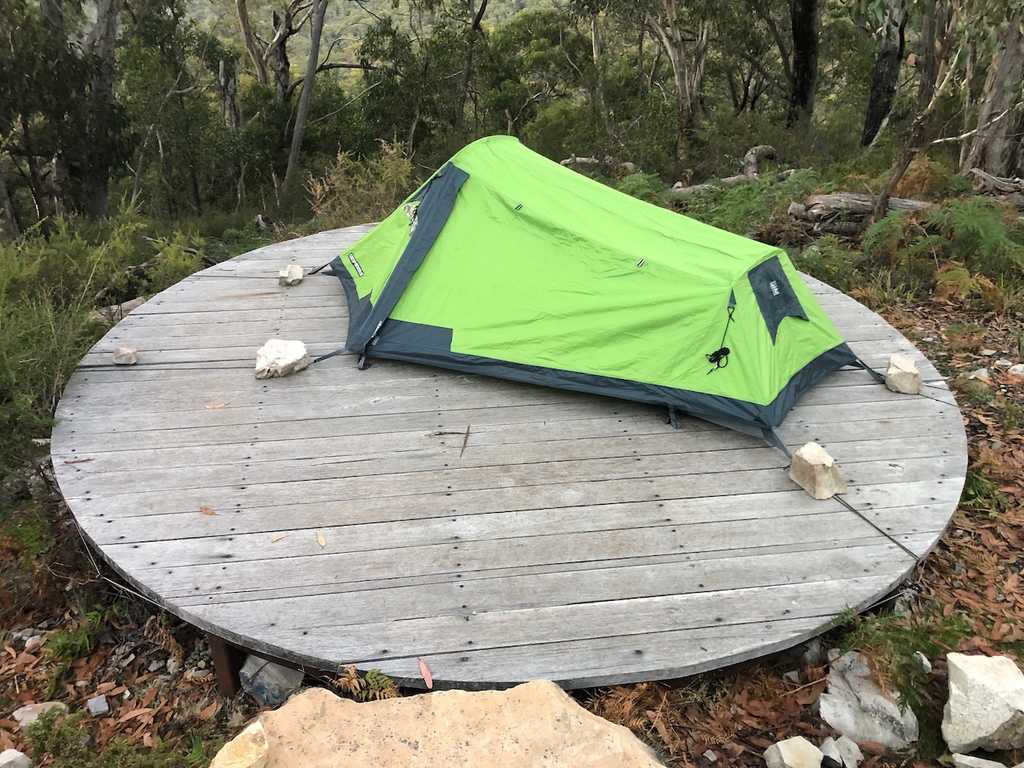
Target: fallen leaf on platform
point(76, 461)
point(425, 673)
point(321, 540)
point(205, 510)
point(276, 538)
point(215, 406)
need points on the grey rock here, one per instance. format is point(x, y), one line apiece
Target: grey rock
point(796, 752)
point(980, 374)
point(985, 709)
point(125, 355)
point(1002, 362)
point(711, 756)
point(829, 748)
point(849, 752)
point(922, 660)
point(966, 761)
point(98, 706)
point(28, 714)
point(1016, 370)
point(12, 758)
point(814, 653)
point(173, 666)
point(268, 683)
point(857, 707)
point(988, 352)
point(156, 665)
point(793, 676)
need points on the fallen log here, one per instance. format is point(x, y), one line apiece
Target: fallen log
point(751, 166)
point(986, 183)
point(606, 164)
point(849, 205)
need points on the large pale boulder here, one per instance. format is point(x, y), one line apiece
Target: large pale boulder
point(816, 472)
point(248, 749)
point(280, 357)
point(903, 375)
point(857, 707)
point(532, 724)
point(796, 752)
point(843, 750)
point(985, 709)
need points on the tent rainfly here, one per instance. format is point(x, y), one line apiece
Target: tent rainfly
point(507, 264)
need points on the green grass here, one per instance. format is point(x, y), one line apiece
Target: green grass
point(982, 493)
point(68, 744)
point(78, 641)
point(29, 530)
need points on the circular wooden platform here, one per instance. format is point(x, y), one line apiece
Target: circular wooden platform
point(500, 532)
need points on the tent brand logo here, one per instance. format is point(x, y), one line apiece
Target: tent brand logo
point(355, 264)
point(774, 286)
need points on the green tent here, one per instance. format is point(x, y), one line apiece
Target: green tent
point(505, 263)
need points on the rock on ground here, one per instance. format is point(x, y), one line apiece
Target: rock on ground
point(532, 724)
point(966, 761)
point(28, 714)
point(247, 750)
point(985, 709)
point(903, 374)
point(290, 275)
point(98, 706)
point(796, 752)
point(816, 472)
point(1016, 370)
point(843, 750)
point(857, 707)
point(280, 357)
point(12, 758)
point(269, 683)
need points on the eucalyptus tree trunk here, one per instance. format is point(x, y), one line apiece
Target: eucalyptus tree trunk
point(277, 53)
point(597, 51)
point(805, 20)
point(886, 72)
point(306, 97)
point(252, 46)
point(996, 147)
point(686, 49)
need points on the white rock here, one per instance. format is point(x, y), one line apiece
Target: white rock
point(923, 662)
point(857, 707)
point(173, 665)
point(280, 357)
point(1015, 370)
point(124, 355)
point(29, 713)
point(985, 708)
point(249, 749)
point(98, 706)
point(988, 352)
point(534, 724)
point(12, 758)
point(829, 748)
point(290, 275)
point(903, 374)
point(269, 683)
point(980, 374)
point(966, 761)
point(711, 756)
point(816, 472)
point(851, 754)
point(796, 752)
point(34, 643)
point(1002, 362)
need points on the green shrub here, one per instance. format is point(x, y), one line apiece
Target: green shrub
point(830, 260)
point(353, 191)
point(645, 186)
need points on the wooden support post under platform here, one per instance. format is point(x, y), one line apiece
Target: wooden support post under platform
point(227, 661)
